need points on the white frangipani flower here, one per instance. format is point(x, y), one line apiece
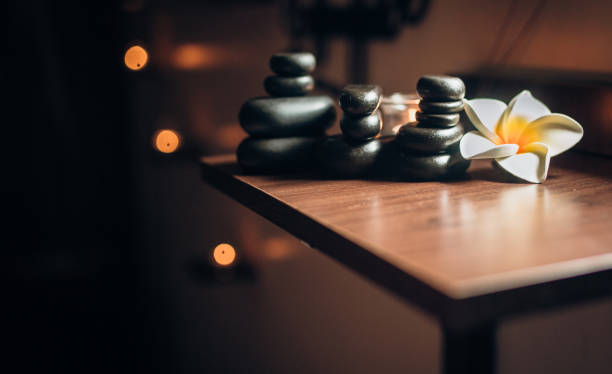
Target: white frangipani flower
point(521, 137)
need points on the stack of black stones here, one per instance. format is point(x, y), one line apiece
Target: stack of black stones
point(284, 128)
point(355, 151)
point(430, 146)
point(287, 129)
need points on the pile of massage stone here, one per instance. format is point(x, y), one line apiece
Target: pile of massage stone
point(284, 127)
point(429, 147)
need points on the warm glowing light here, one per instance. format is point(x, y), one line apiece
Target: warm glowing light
point(224, 254)
point(166, 141)
point(194, 56)
point(397, 128)
point(412, 114)
point(136, 57)
point(278, 248)
point(398, 109)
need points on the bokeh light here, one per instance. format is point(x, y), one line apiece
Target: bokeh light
point(278, 248)
point(166, 141)
point(194, 56)
point(224, 254)
point(136, 58)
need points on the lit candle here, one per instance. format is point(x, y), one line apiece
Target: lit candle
point(398, 109)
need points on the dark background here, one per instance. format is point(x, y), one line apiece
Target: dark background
point(108, 243)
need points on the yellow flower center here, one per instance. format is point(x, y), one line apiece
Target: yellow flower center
point(514, 131)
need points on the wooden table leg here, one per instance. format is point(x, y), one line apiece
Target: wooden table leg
point(469, 351)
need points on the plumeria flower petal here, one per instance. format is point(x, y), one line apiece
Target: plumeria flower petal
point(484, 114)
point(526, 106)
point(531, 165)
point(558, 131)
point(521, 137)
point(523, 109)
point(474, 145)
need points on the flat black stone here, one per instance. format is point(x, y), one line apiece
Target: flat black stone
point(338, 156)
point(395, 163)
point(261, 155)
point(428, 140)
point(293, 64)
point(288, 86)
point(437, 120)
point(360, 99)
point(287, 116)
point(361, 128)
point(441, 107)
point(440, 88)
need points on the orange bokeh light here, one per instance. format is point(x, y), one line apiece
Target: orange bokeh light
point(136, 58)
point(224, 254)
point(166, 141)
point(191, 56)
point(278, 248)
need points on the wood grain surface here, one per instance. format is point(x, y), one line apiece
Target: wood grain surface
point(465, 238)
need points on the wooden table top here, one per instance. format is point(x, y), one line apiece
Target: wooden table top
point(465, 238)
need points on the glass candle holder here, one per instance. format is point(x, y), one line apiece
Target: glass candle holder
point(398, 109)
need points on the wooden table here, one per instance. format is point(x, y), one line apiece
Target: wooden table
point(470, 252)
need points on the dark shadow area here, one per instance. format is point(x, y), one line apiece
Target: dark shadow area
point(581, 161)
point(206, 273)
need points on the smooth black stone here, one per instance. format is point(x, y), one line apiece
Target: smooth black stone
point(338, 156)
point(362, 128)
point(441, 107)
point(287, 116)
point(293, 64)
point(428, 140)
point(360, 99)
point(437, 120)
point(274, 155)
point(440, 88)
point(395, 163)
point(288, 86)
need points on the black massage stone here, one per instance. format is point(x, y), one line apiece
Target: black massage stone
point(360, 99)
point(361, 128)
point(275, 155)
point(428, 140)
point(437, 120)
point(395, 163)
point(337, 156)
point(441, 107)
point(440, 88)
point(288, 86)
point(287, 116)
point(293, 64)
